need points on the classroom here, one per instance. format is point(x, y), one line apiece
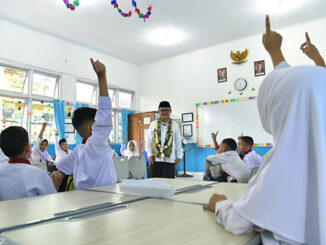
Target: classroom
point(166, 122)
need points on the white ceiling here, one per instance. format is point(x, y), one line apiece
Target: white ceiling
point(97, 25)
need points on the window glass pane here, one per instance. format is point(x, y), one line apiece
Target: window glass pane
point(85, 92)
point(13, 112)
point(125, 100)
point(112, 134)
point(13, 79)
point(41, 112)
point(119, 127)
point(44, 85)
point(112, 95)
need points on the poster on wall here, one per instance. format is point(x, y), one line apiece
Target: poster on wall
point(259, 68)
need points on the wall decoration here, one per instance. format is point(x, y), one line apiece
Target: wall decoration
point(230, 92)
point(239, 58)
point(71, 6)
point(187, 130)
point(69, 128)
point(259, 68)
point(221, 75)
point(187, 117)
point(141, 15)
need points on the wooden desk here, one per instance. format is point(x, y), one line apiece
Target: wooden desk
point(20, 211)
point(150, 221)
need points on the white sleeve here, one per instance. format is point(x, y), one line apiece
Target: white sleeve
point(149, 140)
point(58, 150)
point(178, 144)
point(97, 144)
point(281, 65)
point(35, 149)
point(122, 149)
point(218, 158)
point(230, 219)
point(66, 164)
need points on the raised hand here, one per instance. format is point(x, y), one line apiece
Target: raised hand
point(312, 52)
point(272, 42)
point(98, 67)
point(214, 135)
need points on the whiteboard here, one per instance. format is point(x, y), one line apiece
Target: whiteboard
point(231, 119)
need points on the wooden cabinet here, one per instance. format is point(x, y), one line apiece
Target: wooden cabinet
point(137, 124)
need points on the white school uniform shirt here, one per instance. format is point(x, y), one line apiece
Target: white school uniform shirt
point(40, 156)
point(58, 151)
point(232, 164)
point(287, 197)
point(3, 157)
point(176, 144)
point(127, 153)
point(252, 159)
point(18, 180)
point(91, 163)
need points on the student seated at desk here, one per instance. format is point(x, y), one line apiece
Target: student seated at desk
point(18, 178)
point(39, 152)
point(132, 149)
point(286, 200)
point(91, 162)
point(229, 167)
point(61, 147)
point(247, 154)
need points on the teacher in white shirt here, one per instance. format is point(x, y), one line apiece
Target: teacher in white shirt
point(163, 144)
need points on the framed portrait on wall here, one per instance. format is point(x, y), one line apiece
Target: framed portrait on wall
point(187, 117)
point(221, 75)
point(69, 128)
point(187, 130)
point(259, 68)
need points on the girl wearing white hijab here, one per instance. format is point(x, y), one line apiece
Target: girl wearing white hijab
point(132, 149)
point(286, 200)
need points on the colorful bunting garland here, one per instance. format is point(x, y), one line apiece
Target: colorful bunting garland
point(116, 5)
point(142, 15)
point(71, 6)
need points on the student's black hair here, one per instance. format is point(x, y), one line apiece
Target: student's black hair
point(62, 141)
point(13, 141)
point(248, 140)
point(47, 143)
point(230, 144)
point(83, 115)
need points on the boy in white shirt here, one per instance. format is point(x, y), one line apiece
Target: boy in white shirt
point(18, 178)
point(61, 147)
point(250, 157)
point(91, 162)
point(229, 167)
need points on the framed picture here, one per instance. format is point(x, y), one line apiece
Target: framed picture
point(259, 68)
point(187, 130)
point(69, 128)
point(222, 75)
point(187, 117)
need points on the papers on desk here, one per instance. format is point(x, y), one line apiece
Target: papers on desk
point(147, 188)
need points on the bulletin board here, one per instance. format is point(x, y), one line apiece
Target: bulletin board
point(231, 117)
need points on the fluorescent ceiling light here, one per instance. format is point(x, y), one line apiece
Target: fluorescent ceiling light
point(166, 36)
point(279, 6)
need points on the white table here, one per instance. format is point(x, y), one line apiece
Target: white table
point(151, 221)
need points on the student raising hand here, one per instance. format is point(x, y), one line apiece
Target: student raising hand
point(213, 200)
point(100, 71)
point(312, 52)
point(272, 42)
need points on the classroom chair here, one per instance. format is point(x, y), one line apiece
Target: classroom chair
point(137, 166)
point(121, 167)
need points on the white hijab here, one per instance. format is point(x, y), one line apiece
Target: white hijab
point(128, 153)
point(288, 194)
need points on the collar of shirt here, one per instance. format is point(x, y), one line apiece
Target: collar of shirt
point(19, 160)
point(84, 141)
